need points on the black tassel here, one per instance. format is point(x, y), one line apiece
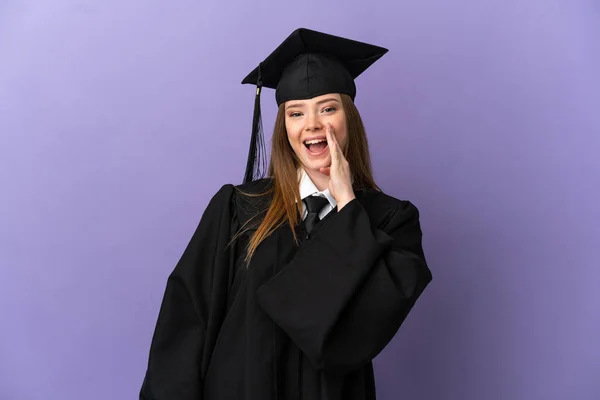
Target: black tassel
point(256, 164)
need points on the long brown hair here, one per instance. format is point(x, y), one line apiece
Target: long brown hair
point(283, 169)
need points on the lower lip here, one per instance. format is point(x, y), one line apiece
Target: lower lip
point(315, 154)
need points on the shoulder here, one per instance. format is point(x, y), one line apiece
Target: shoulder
point(256, 187)
point(252, 199)
point(222, 197)
point(243, 192)
point(240, 203)
point(383, 207)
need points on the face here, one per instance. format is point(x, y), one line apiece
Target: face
point(306, 122)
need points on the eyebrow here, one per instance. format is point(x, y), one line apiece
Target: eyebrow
point(318, 102)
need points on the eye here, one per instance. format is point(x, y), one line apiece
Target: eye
point(295, 114)
point(329, 109)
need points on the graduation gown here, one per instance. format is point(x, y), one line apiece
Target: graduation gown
point(299, 322)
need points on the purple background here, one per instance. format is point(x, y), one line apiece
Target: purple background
point(119, 119)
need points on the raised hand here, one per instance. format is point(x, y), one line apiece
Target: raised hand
point(340, 178)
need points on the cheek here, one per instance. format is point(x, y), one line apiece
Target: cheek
point(292, 134)
point(344, 142)
point(342, 134)
point(294, 140)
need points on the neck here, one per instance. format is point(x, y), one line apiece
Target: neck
point(320, 180)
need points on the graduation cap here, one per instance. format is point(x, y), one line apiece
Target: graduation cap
point(307, 64)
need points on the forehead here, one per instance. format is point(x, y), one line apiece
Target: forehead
point(314, 100)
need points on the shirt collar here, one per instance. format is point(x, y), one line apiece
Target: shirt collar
point(308, 188)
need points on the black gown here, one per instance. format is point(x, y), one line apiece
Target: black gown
point(298, 322)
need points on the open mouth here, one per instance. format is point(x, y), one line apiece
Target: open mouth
point(316, 145)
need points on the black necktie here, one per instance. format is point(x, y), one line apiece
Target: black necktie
point(314, 205)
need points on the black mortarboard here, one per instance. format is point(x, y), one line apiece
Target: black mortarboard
point(307, 64)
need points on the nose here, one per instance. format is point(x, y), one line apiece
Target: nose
point(313, 123)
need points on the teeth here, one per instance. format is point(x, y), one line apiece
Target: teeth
point(315, 141)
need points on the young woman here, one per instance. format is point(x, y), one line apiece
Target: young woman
point(293, 283)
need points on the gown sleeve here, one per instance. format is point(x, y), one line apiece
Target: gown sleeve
point(185, 321)
point(348, 290)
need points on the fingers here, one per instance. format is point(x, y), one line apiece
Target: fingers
point(332, 143)
point(329, 135)
point(325, 170)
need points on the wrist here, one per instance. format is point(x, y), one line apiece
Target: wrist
point(342, 202)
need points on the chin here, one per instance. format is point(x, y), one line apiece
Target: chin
point(316, 166)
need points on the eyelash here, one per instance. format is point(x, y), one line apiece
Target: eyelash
point(293, 115)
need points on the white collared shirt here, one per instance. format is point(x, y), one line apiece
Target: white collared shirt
point(308, 188)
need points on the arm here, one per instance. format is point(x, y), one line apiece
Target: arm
point(344, 296)
point(184, 322)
